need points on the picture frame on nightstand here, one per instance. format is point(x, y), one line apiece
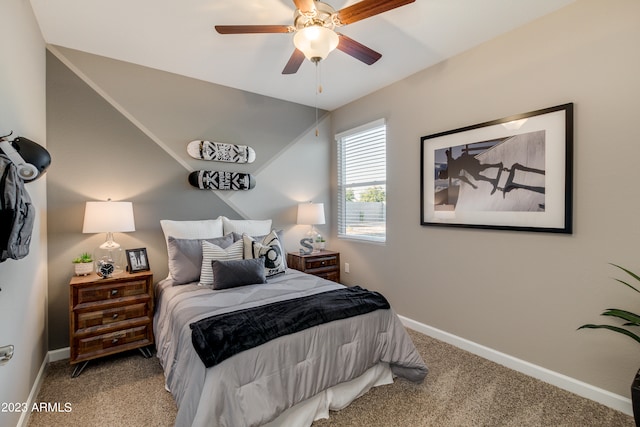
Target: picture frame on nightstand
point(137, 260)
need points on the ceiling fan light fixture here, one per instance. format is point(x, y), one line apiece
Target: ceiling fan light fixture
point(315, 41)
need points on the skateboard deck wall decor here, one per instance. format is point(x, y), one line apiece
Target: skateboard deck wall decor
point(221, 152)
point(221, 180)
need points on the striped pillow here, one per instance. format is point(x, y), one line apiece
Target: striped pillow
point(212, 252)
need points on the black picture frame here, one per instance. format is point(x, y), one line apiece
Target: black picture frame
point(137, 260)
point(513, 173)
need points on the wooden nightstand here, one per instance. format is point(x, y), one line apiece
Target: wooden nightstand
point(107, 316)
point(325, 264)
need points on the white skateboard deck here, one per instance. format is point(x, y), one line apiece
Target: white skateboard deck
point(221, 152)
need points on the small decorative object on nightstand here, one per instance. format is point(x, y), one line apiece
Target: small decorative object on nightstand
point(325, 264)
point(137, 259)
point(105, 268)
point(110, 315)
point(83, 264)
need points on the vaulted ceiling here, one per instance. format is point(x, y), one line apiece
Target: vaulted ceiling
point(178, 36)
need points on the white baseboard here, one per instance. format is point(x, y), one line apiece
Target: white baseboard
point(59, 354)
point(33, 394)
point(580, 388)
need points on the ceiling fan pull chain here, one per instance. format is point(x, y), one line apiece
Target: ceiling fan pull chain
point(318, 90)
point(319, 77)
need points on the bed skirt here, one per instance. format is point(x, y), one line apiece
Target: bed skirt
point(335, 398)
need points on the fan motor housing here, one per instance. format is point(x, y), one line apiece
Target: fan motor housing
point(323, 15)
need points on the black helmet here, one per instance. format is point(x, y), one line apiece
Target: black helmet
point(36, 158)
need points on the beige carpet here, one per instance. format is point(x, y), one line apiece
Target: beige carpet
point(460, 390)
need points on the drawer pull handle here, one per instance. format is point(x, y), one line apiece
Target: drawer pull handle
point(114, 341)
point(115, 316)
point(114, 292)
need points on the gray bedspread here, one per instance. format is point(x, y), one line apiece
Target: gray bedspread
point(255, 386)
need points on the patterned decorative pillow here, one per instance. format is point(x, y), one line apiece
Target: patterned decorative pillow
point(268, 247)
point(212, 252)
point(280, 233)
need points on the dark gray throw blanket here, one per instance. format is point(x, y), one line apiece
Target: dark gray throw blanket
point(219, 337)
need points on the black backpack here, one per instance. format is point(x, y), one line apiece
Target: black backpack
point(17, 213)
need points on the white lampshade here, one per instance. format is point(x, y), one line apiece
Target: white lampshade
point(310, 213)
point(315, 41)
point(109, 217)
point(105, 217)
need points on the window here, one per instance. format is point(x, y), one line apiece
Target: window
point(362, 182)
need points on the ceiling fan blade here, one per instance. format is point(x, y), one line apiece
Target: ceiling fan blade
point(368, 8)
point(358, 50)
point(296, 60)
point(305, 5)
point(253, 29)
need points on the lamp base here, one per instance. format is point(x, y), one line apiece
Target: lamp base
point(317, 240)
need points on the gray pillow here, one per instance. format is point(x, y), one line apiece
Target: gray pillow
point(185, 257)
point(234, 273)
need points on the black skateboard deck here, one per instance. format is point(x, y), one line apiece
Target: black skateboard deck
point(220, 180)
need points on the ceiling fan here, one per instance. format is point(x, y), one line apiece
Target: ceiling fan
point(314, 23)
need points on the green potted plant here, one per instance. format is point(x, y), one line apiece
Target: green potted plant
point(629, 321)
point(83, 264)
point(320, 242)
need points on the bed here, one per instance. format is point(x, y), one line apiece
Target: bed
point(291, 379)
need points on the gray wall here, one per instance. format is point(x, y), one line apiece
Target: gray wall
point(520, 293)
point(23, 283)
point(119, 131)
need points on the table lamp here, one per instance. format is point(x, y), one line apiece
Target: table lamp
point(311, 214)
point(109, 217)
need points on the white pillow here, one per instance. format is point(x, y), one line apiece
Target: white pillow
point(268, 247)
point(252, 227)
point(203, 229)
point(212, 252)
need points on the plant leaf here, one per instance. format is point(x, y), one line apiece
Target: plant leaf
point(626, 284)
point(612, 328)
point(630, 273)
point(633, 318)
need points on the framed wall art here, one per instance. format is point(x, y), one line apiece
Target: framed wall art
point(513, 173)
point(137, 260)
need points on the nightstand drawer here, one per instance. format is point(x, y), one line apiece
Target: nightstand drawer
point(108, 291)
point(94, 346)
point(323, 262)
point(331, 275)
point(108, 316)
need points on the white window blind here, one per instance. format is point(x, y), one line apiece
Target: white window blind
point(362, 182)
